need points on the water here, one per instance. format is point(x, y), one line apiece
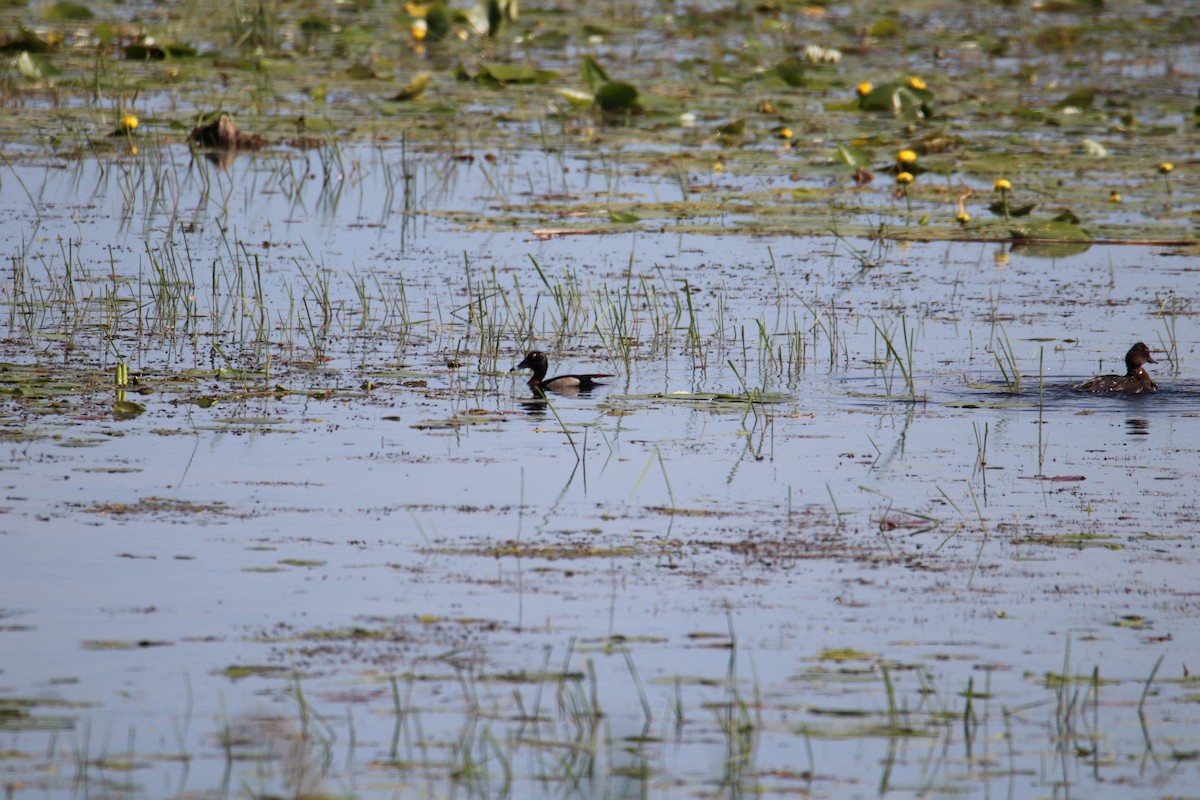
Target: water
point(643, 589)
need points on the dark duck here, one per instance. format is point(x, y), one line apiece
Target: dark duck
point(1135, 380)
point(536, 361)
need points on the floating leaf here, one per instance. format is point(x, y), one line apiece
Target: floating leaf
point(623, 217)
point(592, 72)
point(1050, 229)
point(1077, 101)
point(123, 644)
point(361, 72)
point(126, 409)
point(617, 96)
point(65, 11)
point(26, 41)
point(884, 28)
point(314, 25)
point(997, 208)
point(899, 98)
point(493, 72)
point(852, 156)
point(735, 128)
point(142, 52)
point(576, 97)
point(437, 22)
point(844, 654)
point(487, 17)
point(36, 68)
point(414, 88)
point(1053, 238)
point(790, 73)
point(236, 672)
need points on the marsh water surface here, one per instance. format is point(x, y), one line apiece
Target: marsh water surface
point(837, 526)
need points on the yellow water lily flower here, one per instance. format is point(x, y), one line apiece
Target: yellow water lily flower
point(129, 122)
point(418, 30)
point(906, 157)
point(1002, 185)
point(786, 133)
point(1165, 169)
point(916, 83)
point(1114, 196)
point(864, 88)
point(962, 217)
point(905, 178)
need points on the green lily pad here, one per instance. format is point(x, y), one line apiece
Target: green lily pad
point(414, 88)
point(852, 156)
point(841, 654)
point(123, 644)
point(592, 72)
point(577, 97)
point(789, 73)
point(733, 128)
point(66, 11)
point(617, 96)
point(494, 72)
point(1050, 229)
point(127, 409)
point(1078, 100)
point(236, 672)
point(998, 208)
point(437, 22)
point(36, 69)
point(900, 99)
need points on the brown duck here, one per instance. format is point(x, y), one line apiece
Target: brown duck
point(1135, 380)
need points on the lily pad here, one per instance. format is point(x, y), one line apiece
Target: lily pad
point(497, 73)
point(900, 98)
point(577, 97)
point(35, 68)
point(852, 156)
point(790, 73)
point(413, 89)
point(1053, 229)
point(127, 409)
point(617, 96)
point(1076, 101)
point(592, 72)
point(66, 11)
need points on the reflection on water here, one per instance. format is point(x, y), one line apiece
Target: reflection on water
point(1137, 426)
